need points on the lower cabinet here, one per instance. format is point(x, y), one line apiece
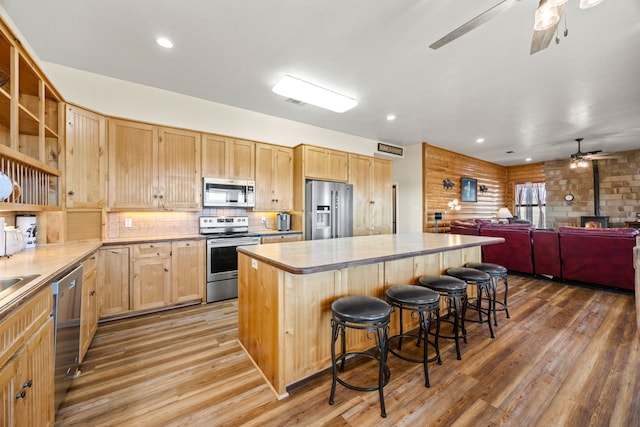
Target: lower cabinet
point(113, 280)
point(89, 310)
point(26, 360)
point(150, 276)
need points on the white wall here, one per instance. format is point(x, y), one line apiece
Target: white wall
point(120, 98)
point(407, 175)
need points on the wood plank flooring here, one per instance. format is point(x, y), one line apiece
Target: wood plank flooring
point(569, 356)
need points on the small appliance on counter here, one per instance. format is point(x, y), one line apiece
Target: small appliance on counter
point(14, 240)
point(28, 224)
point(283, 220)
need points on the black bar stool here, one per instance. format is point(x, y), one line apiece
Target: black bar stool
point(483, 284)
point(498, 273)
point(426, 303)
point(365, 313)
point(455, 290)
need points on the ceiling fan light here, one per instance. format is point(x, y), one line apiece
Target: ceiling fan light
point(546, 17)
point(586, 4)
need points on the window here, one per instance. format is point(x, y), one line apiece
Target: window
point(531, 198)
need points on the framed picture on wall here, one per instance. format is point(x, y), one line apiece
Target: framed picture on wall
point(468, 189)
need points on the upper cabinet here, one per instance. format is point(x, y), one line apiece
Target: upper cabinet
point(153, 168)
point(372, 204)
point(86, 159)
point(224, 157)
point(30, 126)
point(274, 178)
point(324, 163)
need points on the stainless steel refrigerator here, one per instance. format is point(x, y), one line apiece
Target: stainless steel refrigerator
point(328, 210)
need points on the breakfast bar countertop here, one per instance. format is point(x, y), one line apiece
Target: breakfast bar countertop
point(313, 256)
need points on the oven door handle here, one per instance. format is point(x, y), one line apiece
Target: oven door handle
point(225, 243)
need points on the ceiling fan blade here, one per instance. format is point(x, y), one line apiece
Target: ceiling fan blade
point(473, 23)
point(542, 39)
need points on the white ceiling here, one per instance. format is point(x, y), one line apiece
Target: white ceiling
point(484, 84)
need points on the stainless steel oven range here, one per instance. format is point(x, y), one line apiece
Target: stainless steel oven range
point(225, 234)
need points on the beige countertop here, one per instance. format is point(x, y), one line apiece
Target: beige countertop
point(322, 255)
point(47, 261)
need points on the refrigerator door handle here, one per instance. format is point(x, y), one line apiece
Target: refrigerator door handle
point(336, 216)
point(332, 209)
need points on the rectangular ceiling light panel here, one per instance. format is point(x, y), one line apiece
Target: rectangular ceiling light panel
point(309, 93)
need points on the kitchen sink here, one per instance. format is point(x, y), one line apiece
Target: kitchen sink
point(10, 282)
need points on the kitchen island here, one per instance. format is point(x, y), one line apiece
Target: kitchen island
point(285, 291)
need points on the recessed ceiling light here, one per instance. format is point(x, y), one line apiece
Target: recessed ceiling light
point(164, 42)
point(480, 140)
point(528, 159)
point(391, 117)
point(310, 93)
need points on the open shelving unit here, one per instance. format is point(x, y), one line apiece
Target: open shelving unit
point(30, 125)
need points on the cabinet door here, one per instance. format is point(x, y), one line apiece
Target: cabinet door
point(187, 271)
point(86, 159)
point(282, 178)
point(179, 185)
point(35, 379)
point(215, 156)
point(264, 177)
point(381, 197)
point(8, 387)
point(133, 165)
point(360, 177)
point(89, 312)
point(151, 279)
point(338, 168)
point(113, 281)
point(316, 162)
point(242, 159)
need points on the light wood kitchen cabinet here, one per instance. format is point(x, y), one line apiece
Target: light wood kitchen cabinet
point(372, 204)
point(151, 276)
point(280, 238)
point(26, 364)
point(224, 157)
point(86, 159)
point(152, 168)
point(274, 178)
point(325, 164)
point(187, 270)
point(89, 310)
point(113, 280)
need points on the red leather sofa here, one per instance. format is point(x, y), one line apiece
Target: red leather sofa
point(602, 256)
point(598, 255)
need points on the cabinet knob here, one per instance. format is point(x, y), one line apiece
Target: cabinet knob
point(166, 270)
point(155, 196)
point(28, 384)
point(21, 395)
point(71, 193)
point(92, 293)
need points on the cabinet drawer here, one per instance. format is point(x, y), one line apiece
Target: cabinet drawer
point(90, 263)
point(150, 250)
point(281, 238)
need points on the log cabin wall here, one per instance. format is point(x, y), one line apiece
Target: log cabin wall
point(439, 164)
point(519, 174)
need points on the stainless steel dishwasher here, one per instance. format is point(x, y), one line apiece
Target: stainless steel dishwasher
point(67, 301)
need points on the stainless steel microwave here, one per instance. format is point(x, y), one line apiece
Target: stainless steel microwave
point(220, 192)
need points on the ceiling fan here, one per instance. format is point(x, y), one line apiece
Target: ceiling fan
point(546, 19)
point(579, 158)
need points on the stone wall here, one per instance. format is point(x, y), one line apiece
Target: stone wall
point(619, 190)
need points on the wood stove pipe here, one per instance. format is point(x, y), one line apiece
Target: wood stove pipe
point(596, 188)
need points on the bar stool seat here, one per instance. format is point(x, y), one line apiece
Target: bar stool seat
point(455, 290)
point(364, 313)
point(497, 273)
point(482, 281)
point(426, 303)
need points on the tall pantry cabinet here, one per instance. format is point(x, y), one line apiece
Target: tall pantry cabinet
point(372, 200)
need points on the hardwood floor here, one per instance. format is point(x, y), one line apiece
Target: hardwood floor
point(569, 356)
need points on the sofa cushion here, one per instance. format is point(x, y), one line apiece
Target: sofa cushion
point(516, 253)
